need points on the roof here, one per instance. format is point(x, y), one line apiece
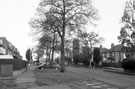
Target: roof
point(104, 50)
point(117, 48)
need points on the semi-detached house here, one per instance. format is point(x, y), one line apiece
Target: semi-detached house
point(115, 51)
point(6, 48)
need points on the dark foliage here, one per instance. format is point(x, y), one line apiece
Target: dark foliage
point(85, 56)
point(97, 57)
point(68, 59)
point(128, 64)
point(28, 54)
point(116, 65)
point(17, 64)
point(77, 59)
point(86, 59)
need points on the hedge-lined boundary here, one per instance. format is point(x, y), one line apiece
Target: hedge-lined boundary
point(17, 64)
point(116, 65)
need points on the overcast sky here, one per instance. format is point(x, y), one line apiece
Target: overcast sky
point(15, 15)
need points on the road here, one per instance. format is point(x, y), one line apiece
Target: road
point(119, 80)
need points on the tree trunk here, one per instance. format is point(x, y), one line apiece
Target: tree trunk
point(62, 55)
point(91, 59)
point(63, 38)
point(47, 51)
point(49, 54)
point(51, 64)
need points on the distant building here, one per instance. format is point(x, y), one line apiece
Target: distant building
point(104, 53)
point(116, 51)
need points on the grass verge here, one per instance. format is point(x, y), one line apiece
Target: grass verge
point(51, 76)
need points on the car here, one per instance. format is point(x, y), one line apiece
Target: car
point(42, 66)
point(56, 66)
point(45, 66)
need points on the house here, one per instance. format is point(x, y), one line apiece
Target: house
point(116, 52)
point(104, 53)
point(6, 48)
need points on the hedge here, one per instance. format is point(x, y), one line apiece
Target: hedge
point(116, 65)
point(17, 64)
point(128, 64)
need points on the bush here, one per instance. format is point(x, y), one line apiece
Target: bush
point(116, 65)
point(77, 59)
point(17, 64)
point(128, 64)
point(97, 57)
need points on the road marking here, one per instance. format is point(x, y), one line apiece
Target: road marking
point(96, 87)
point(85, 82)
point(105, 85)
point(92, 84)
point(113, 88)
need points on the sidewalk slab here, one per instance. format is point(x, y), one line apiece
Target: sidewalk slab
point(52, 87)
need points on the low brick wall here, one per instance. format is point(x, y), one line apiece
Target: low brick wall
point(17, 64)
point(6, 70)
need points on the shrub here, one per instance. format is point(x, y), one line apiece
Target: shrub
point(116, 65)
point(128, 64)
point(76, 59)
point(97, 57)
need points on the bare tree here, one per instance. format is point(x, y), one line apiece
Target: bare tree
point(90, 40)
point(63, 15)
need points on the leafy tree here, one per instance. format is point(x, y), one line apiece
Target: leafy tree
point(47, 43)
point(127, 32)
point(63, 15)
point(96, 57)
point(90, 40)
point(28, 55)
point(85, 55)
point(68, 50)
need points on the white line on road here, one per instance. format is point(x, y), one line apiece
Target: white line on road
point(93, 84)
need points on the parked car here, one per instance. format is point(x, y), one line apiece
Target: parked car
point(45, 66)
point(56, 66)
point(42, 66)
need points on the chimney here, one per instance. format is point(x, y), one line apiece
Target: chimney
point(101, 46)
point(112, 45)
